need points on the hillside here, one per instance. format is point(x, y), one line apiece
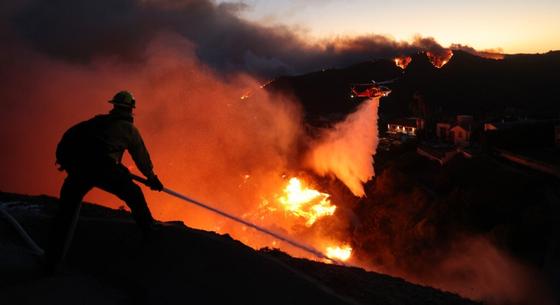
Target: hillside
point(522, 84)
point(108, 264)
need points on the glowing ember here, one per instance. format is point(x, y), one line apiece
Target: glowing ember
point(402, 61)
point(246, 96)
point(341, 253)
point(439, 60)
point(306, 203)
point(266, 84)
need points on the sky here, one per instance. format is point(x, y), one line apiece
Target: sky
point(514, 26)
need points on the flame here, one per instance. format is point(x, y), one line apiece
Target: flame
point(304, 202)
point(341, 253)
point(402, 61)
point(439, 60)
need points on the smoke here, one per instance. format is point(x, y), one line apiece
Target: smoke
point(476, 268)
point(346, 151)
point(489, 53)
point(401, 230)
point(83, 31)
point(202, 137)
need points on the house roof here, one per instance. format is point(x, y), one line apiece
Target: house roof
point(465, 126)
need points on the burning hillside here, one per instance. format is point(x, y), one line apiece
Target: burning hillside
point(439, 59)
point(402, 61)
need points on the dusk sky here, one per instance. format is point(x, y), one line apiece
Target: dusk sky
point(515, 26)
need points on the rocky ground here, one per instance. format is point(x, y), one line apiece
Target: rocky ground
point(110, 264)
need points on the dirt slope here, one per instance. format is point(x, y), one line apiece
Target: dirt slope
point(109, 264)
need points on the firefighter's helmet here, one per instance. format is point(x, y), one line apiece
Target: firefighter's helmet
point(124, 99)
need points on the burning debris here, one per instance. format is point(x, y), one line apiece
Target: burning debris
point(298, 209)
point(439, 59)
point(306, 203)
point(342, 253)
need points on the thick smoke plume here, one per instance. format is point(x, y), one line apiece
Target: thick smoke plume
point(202, 137)
point(82, 31)
point(346, 151)
point(496, 54)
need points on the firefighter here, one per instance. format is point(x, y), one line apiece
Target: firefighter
point(91, 153)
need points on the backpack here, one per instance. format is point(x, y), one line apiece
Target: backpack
point(79, 145)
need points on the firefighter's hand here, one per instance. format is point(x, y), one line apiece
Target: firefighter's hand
point(155, 184)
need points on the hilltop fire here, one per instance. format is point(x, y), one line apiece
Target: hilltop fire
point(439, 59)
point(402, 61)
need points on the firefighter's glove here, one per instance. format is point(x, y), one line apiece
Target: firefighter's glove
point(155, 184)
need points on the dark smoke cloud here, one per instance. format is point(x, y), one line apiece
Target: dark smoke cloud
point(497, 53)
point(82, 31)
point(234, 7)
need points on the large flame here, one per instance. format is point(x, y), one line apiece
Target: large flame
point(402, 61)
point(341, 253)
point(441, 58)
point(304, 202)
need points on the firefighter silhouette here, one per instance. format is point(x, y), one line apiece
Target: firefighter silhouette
point(91, 153)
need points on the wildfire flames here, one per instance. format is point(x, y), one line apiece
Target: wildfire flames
point(440, 59)
point(305, 202)
point(341, 253)
point(300, 204)
point(402, 61)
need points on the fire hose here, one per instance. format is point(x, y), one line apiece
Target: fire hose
point(22, 233)
point(278, 236)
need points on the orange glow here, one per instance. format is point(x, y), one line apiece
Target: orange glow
point(402, 61)
point(341, 253)
point(246, 95)
point(439, 60)
point(490, 54)
point(304, 202)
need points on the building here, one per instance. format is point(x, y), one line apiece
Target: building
point(461, 134)
point(442, 130)
point(405, 126)
point(458, 132)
